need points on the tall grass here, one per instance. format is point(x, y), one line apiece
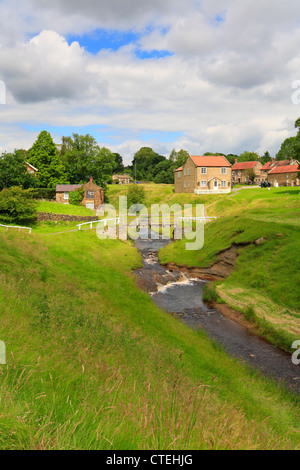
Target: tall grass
point(93, 364)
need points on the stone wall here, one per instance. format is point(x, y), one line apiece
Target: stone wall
point(46, 217)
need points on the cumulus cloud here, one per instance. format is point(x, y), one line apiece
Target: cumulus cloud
point(227, 86)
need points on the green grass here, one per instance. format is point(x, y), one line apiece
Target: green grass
point(266, 277)
point(93, 364)
point(68, 209)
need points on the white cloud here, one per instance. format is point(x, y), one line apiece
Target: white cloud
point(227, 87)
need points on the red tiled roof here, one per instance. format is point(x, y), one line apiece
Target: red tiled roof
point(179, 169)
point(244, 165)
point(211, 161)
point(67, 187)
point(285, 169)
point(274, 163)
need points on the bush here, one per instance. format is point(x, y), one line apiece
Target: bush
point(45, 193)
point(136, 195)
point(17, 206)
point(76, 197)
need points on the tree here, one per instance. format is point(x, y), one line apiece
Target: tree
point(13, 171)
point(290, 148)
point(250, 174)
point(145, 160)
point(265, 158)
point(119, 167)
point(75, 197)
point(43, 155)
point(248, 157)
point(17, 205)
point(179, 158)
point(136, 195)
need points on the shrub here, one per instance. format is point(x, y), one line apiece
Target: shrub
point(136, 195)
point(17, 205)
point(45, 193)
point(76, 197)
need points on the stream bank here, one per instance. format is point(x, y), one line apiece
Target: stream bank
point(179, 291)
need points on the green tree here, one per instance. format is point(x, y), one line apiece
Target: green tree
point(13, 171)
point(75, 197)
point(43, 155)
point(248, 157)
point(290, 148)
point(136, 195)
point(119, 167)
point(17, 206)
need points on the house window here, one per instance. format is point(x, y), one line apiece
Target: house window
point(66, 196)
point(185, 184)
point(184, 172)
point(90, 205)
point(188, 172)
point(90, 194)
point(223, 171)
point(203, 171)
point(223, 184)
point(203, 184)
point(179, 174)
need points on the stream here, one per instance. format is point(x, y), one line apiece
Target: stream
point(181, 295)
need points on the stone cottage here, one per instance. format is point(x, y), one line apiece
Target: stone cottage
point(241, 170)
point(93, 195)
point(284, 175)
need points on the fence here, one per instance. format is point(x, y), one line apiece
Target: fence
point(20, 228)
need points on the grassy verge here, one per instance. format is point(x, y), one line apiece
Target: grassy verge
point(68, 209)
point(266, 276)
point(93, 364)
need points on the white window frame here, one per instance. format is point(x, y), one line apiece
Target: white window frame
point(179, 174)
point(223, 184)
point(203, 183)
point(66, 196)
point(203, 170)
point(223, 170)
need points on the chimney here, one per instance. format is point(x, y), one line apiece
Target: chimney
point(235, 160)
point(91, 179)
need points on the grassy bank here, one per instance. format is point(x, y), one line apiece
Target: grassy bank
point(264, 282)
point(93, 364)
point(68, 209)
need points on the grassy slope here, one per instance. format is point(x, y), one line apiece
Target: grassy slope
point(68, 209)
point(265, 281)
point(89, 369)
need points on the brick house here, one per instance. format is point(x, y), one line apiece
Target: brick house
point(203, 175)
point(121, 179)
point(240, 171)
point(31, 169)
point(93, 194)
point(284, 175)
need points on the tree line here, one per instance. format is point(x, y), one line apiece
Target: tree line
point(78, 157)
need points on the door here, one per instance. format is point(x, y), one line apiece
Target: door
point(215, 185)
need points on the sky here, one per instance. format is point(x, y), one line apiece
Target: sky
point(200, 75)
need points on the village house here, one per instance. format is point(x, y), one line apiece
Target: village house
point(93, 195)
point(284, 175)
point(31, 169)
point(241, 172)
point(203, 175)
point(121, 179)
